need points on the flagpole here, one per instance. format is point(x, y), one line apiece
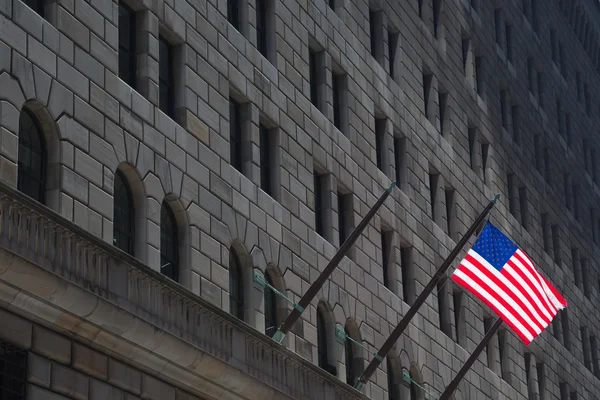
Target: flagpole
point(470, 361)
point(339, 255)
point(389, 343)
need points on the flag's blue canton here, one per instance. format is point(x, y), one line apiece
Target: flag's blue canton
point(492, 245)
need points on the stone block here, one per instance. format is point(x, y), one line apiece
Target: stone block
point(37, 393)
point(154, 389)
point(61, 100)
point(103, 391)
point(88, 116)
point(210, 291)
point(15, 330)
point(69, 382)
point(73, 79)
point(90, 362)
point(89, 66)
point(74, 184)
point(89, 168)
point(51, 345)
point(13, 35)
point(38, 370)
point(42, 56)
point(73, 29)
point(87, 219)
point(124, 376)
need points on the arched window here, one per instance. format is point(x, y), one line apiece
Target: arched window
point(322, 340)
point(32, 157)
point(393, 387)
point(236, 300)
point(414, 390)
point(270, 308)
point(124, 215)
point(350, 372)
point(169, 243)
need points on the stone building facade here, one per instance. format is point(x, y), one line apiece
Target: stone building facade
point(159, 157)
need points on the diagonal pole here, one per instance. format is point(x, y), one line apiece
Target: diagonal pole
point(339, 255)
point(389, 343)
point(470, 361)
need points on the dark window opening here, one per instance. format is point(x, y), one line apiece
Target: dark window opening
point(127, 47)
point(39, 6)
point(124, 215)
point(427, 80)
point(266, 176)
point(261, 26)
point(408, 278)
point(399, 155)
point(386, 248)
point(380, 135)
point(169, 246)
point(344, 215)
point(233, 13)
point(270, 308)
point(166, 78)
point(236, 286)
point(235, 134)
point(33, 159)
point(442, 100)
point(313, 76)
point(318, 187)
point(13, 372)
point(392, 46)
point(338, 84)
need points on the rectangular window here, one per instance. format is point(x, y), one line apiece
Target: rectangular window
point(444, 307)
point(166, 78)
point(380, 134)
point(386, 248)
point(490, 348)
point(556, 244)
point(457, 297)
point(587, 281)
point(541, 375)
point(266, 151)
point(127, 48)
point(442, 104)
point(466, 48)
point(588, 103)
point(344, 215)
point(13, 372)
point(509, 51)
point(433, 186)
point(38, 6)
point(587, 352)
point(233, 13)
point(478, 75)
point(534, 18)
point(523, 207)
point(546, 234)
point(595, 355)
point(515, 113)
point(568, 127)
point(437, 10)
point(498, 26)
point(575, 195)
point(485, 147)
point(427, 80)
point(593, 166)
point(451, 213)
point(261, 26)
point(578, 85)
point(576, 265)
point(540, 88)
point(331, 4)
point(399, 157)
point(472, 154)
point(538, 154)
point(547, 166)
point(530, 75)
point(512, 194)
point(313, 77)
point(408, 275)
point(559, 117)
point(561, 55)
point(566, 330)
point(392, 46)
point(372, 32)
point(235, 134)
point(318, 188)
point(503, 352)
point(554, 46)
point(420, 8)
point(338, 93)
point(503, 109)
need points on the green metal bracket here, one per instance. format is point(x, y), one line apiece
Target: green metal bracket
point(256, 277)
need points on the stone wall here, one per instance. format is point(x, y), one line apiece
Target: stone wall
point(59, 368)
point(65, 70)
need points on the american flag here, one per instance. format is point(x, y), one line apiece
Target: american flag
point(503, 277)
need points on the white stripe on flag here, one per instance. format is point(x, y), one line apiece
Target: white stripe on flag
point(492, 300)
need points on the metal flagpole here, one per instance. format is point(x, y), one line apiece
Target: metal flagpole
point(389, 343)
point(470, 361)
point(339, 255)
